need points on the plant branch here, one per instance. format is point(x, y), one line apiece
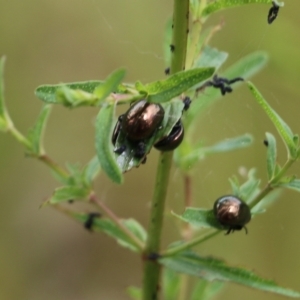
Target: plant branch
point(196, 241)
point(151, 267)
point(137, 242)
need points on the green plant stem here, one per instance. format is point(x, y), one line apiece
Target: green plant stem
point(196, 241)
point(272, 183)
point(180, 33)
point(151, 267)
point(17, 134)
point(53, 166)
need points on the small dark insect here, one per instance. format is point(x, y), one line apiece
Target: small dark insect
point(221, 83)
point(266, 143)
point(167, 71)
point(173, 140)
point(187, 102)
point(88, 224)
point(232, 213)
point(273, 12)
point(172, 47)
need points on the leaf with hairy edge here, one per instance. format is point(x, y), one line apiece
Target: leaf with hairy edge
point(282, 128)
point(108, 227)
point(104, 147)
point(293, 185)
point(35, 134)
point(214, 269)
point(47, 93)
point(67, 193)
point(222, 4)
point(246, 67)
point(110, 85)
point(173, 86)
point(188, 159)
point(271, 154)
point(199, 217)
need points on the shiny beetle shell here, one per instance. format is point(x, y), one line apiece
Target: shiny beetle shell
point(173, 140)
point(232, 213)
point(141, 120)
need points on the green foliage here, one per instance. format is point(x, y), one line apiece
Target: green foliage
point(246, 67)
point(199, 218)
point(35, 134)
point(222, 4)
point(104, 148)
point(173, 86)
point(170, 284)
point(186, 159)
point(205, 290)
point(108, 227)
point(282, 128)
point(271, 155)
point(210, 268)
point(77, 182)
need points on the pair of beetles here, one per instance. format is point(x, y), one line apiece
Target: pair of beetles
point(142, 120)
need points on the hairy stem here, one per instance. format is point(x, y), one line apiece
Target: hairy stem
point(151, 267)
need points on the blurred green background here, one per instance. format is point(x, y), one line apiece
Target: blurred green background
point(45, 255)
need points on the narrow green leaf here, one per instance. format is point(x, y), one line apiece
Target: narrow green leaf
point(210, 57)
point(294, 185)
point(74, 98)
point(235, 185)
point(134, 293)
point(271, 154)
point(283, 129)
point(104, 147)
point(250, 188)
point(35, 134)
point(230, 144)
point(67, 193)
point(222, 4)
point(136, 228)
point(47, 93)
point(199, 152)
point(173, 86)
point(108, 227)
point(214, 269)
point(170, 284)
point(246, 67)
point(110, 85)
point(206, 290)
point(199, 218)
point(267, 201)
point(91, 170)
